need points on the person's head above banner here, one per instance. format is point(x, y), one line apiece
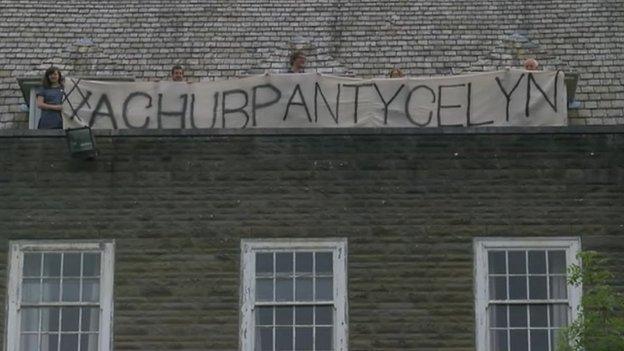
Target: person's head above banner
point(531, 64)
point(297, 62)
point(177, 73)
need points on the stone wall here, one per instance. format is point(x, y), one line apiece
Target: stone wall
point(409, 204)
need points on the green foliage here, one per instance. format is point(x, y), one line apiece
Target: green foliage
point(600, 322)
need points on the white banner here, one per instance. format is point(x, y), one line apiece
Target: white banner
point(503, 98)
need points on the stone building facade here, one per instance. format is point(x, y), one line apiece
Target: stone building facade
point(327, 239)
point(408, 206)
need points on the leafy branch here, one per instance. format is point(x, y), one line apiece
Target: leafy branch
point(600, 322)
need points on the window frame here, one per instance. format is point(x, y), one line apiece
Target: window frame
point(247, 291)
point(571, 245)
point(14, 286)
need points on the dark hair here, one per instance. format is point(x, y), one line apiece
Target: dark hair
point(294, 55)
point(46, 77)
point(176, 67)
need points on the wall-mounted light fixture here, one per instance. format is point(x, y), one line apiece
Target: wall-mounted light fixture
point(81, 143)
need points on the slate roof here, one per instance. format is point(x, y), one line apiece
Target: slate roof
point(226, 38)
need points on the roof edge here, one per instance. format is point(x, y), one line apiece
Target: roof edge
point(175, 133)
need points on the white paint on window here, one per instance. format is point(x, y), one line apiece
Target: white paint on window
point(521, 291)
point(295, 292)
point(60, 295)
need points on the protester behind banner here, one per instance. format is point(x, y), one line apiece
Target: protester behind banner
point(297, 62)
point(395, 73)
point(50, 99)
point(531, 64)
point(177, 73)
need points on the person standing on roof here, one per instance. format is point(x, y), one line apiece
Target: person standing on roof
point(50, 100)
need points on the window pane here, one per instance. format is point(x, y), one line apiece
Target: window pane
point(32, 264)
point(31, 290)
point(303, 262)
point(518, 340)
point(71, 289)
point(303, 339)
point(537, 288)
point(556, 338)
point(324, 315)
point(284, 263)
point(558, 287)
point(283, 316)
point(324, 338)
point(558, 315)
point(264, 315)
point(69, 319)
point(91, 290)
point(89, 342)
point(517, 288)
point(264, 264)
point(539, 316)
point(518, 316)
point(71, 265)
point(324, 263)
point(69, 342)
point(283, 338)
point(58, 283)
point(90, 319)
point(496, 262)
point(556, 262)
point(303, 289)
point(264, 289)
point(283, 289)
point(537, 262)
point(498, 288)
point(50, 319)
point(324, 289)
point(51, 290)
point(29, 342)
point(264, 339)
point(30, 320)
point(52, 264)
point(49, 342)
point(498, 340)
point(498, 316)
point(304, 315)
point(517, 262)
point(91, 265)
point(539, 340)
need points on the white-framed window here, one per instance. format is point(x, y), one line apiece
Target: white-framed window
point(522, 298)
point(294, 295)
point(60, 296)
